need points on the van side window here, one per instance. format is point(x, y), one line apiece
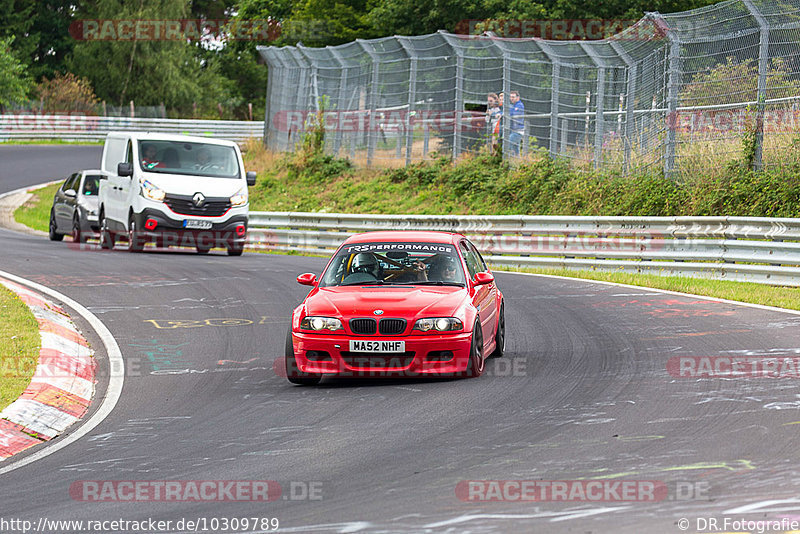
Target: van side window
point(129, 153)
point(114, 153)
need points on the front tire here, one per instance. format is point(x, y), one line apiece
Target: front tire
point(53, 229)
point(476, 363)
point(500, 336)
point(135, 244)
point(293, 372)
point(106, 237)
point(77, 235)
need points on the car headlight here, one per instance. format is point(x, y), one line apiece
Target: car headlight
point(151, 191)
point(240, 198)
point(320, 323)
point(442, 324)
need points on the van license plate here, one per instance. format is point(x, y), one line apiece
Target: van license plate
point(193, 224)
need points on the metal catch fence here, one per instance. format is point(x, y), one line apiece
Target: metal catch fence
point(672, 92)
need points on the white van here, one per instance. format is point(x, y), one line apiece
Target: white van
point(175, 190)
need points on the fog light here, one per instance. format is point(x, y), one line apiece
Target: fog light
point(440, 356)
point(240, 230)
point(318, 356)
point(150, 224)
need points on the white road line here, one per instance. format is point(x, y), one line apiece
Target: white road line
point(116, 368)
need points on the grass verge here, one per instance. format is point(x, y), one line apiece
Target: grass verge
point(19, 336)
point(781, 297)
point(36, 212)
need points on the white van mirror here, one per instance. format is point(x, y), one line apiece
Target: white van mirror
point(251, 177)
point(124, 169)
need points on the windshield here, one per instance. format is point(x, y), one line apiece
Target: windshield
point(395, 264)
point(198, 159)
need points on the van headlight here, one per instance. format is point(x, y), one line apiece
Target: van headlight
point(151, 191)
point(240, 198)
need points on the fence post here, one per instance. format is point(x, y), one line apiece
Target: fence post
point(340, 90)
point(373, 101)
point(555, 71)
point(673, 87)
point(630, 104)
point(459, 105)
point(599, 120)
point(412, 96)
point(763, 66)
point(271, 73)
point(506, 101)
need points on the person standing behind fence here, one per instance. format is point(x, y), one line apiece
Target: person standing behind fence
point(517, 109)
point(493, 115)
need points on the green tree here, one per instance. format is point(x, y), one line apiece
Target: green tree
point(14, 84)
point(42, 29)
point(148, 72)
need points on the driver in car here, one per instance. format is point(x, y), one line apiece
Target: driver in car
point(150, 153)
point(443, 269)
point(367, 263)
point(203, 160)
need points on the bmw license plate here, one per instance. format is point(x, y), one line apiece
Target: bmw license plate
point(377, 345)
point(194, 224)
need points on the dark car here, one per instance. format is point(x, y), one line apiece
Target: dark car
point(75, 206)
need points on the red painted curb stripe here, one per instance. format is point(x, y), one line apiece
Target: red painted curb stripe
point(57, 398)
point(62, 365)
point(66, 333)
point(30, 300)
point(13, 440)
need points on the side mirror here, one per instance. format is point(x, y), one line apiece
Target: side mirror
point(70, 193)
point(483, 278)
point(251, 177)
point(124, 169)
point(307, 279)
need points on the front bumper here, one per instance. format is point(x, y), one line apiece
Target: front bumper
point(172, 233)
point(415, 361)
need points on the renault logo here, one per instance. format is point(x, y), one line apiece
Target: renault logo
point(198, 200)
point(378, 312)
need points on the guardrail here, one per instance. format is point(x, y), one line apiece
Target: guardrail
point(79, 127)
point(749, 249)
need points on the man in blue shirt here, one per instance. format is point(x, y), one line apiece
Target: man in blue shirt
point(517, 109)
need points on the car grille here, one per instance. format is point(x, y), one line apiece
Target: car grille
point(363, 326)
point(392, 326)
point(378, 359)
point(212, 207)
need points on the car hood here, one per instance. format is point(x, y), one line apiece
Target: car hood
point(407, 302)
point(183, 184)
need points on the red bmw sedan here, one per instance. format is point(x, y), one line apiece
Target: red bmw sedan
point(397, 303)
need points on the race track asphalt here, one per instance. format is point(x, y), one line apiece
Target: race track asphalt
point(583, 393)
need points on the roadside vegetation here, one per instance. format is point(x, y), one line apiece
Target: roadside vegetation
point(19, 336)
point(36, 212)
point(484, 184)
